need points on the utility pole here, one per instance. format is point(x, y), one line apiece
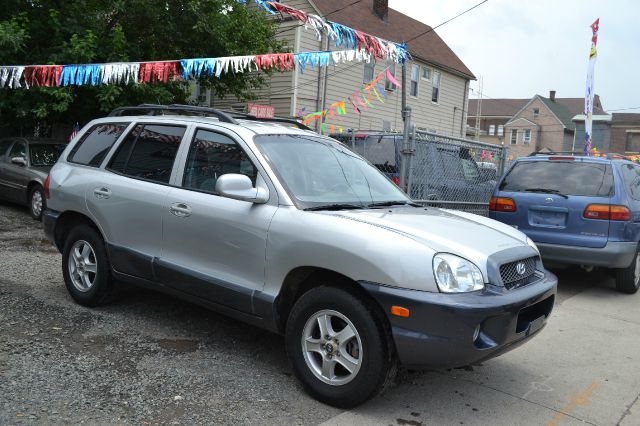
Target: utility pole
point(406, 117)
point(479, 110)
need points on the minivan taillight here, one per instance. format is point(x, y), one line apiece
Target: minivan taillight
point(46, 187)
point(502, 204)
point(607, 212)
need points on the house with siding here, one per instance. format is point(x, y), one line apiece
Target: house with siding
point(528, 125)
point(437, 80)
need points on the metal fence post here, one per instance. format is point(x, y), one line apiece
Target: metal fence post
point(406, 149)
point(411, 153)
point(503, 160)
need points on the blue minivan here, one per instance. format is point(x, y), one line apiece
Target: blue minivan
point(578, 210)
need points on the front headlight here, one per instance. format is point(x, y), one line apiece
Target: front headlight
point(455, 274)
point(533, 245)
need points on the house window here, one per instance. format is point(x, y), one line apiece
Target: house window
point(536, 112)
point(426, 73)
point(514, 136)
point(392, 69)
point(369, 68)
point(526, 136)
point(435, 87)
point(415, 75)
point(492, 130)
point(500, 130)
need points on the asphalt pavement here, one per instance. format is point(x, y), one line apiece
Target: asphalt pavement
point(152, 359)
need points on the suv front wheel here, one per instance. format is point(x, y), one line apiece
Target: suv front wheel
point(85, 267)
point(628, 279)
point(339, 347)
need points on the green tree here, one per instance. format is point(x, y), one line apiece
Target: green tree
point(98, 31)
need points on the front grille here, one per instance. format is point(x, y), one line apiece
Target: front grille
point(519, 273)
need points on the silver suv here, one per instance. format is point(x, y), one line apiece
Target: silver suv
point(292, 232)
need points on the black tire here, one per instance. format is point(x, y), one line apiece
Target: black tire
point(37, 191)
point(628, 279)
point(378, 364)
point(102, 289)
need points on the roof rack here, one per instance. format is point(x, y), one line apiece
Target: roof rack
point(224, 116)
point(533, 154)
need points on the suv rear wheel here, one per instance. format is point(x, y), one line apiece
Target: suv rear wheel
point(85, 267)
point(628, 279)
point(339, 347)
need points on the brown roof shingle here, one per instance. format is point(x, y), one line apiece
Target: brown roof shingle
point(509, 107)
point(398, 28)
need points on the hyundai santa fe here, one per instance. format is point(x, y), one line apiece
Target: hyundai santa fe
point(292, 232)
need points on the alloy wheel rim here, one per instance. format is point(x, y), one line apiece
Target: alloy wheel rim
point(36, 203)
point(637, 271)
point(331, 347)
point(83, 266)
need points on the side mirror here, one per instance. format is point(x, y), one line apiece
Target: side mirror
point(239, 187)
point(20, 161)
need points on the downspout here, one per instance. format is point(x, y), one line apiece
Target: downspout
point(465, 106)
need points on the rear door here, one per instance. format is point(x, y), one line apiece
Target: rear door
point(551, 196)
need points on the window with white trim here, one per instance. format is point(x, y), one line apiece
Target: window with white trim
point(435, 86)
point(369, 69)
point(536, 112)
point(415, 75)
point(492, 130)
point(514, 136)
point(500, 130)
point(392, 70)
point(426, 73)
point(526, 136)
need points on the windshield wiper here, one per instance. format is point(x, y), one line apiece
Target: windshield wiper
point(393, 203)
point(334, 207)
point(546, 191)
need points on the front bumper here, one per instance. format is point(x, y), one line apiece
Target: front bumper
point(455, 330)
point(613, 255)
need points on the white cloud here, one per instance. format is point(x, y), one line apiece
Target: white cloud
point(522, 48)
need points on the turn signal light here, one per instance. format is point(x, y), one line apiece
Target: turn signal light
point(502, 204)
point(607, 212)
point(46, 187)
point(399, 311)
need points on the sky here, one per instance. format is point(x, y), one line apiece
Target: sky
point(523, 48)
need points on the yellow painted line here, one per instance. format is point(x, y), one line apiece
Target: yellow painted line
point(580, 399)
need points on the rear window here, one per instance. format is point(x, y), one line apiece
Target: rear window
point(564, 177)
point(94, 145)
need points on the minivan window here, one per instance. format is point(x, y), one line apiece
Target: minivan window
point(148, 152)
point(212, 155)
point(564, 177)
point(631, 177)
point(96, 143)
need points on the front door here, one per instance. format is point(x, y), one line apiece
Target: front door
point(14, 178)
point(214, 247)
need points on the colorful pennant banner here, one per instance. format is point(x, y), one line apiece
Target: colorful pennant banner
point(360, 99)
point(341, 35)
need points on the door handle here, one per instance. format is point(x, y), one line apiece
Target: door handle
point(102, 193)
point(180, 210)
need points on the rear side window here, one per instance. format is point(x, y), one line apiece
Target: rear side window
point(212, 155)
point(380, 151)
point(564, 177)
point(96, 142)
point(631, 177)
point(148, 152)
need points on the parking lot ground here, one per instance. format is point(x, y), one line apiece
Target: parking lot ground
point(152, 359)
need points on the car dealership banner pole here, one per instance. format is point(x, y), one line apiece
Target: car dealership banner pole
point(589, 94)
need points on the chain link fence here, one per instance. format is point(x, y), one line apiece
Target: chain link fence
point(454, 173)
point(441, 171)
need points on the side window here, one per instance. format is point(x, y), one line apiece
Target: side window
point(149, 152)
point(94, 145)
point(631, 175)
point(19, 149)
point(212, 155)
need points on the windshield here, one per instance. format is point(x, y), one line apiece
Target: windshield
point(563, 177)
point(318, 172)
point(45, 154)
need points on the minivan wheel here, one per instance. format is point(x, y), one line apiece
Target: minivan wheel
point(628, 279)
point(339, 347)
point(37, 202)
point(85, 267)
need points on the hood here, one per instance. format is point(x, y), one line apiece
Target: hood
point(468, 235)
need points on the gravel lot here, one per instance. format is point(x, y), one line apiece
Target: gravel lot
point(150, 359)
